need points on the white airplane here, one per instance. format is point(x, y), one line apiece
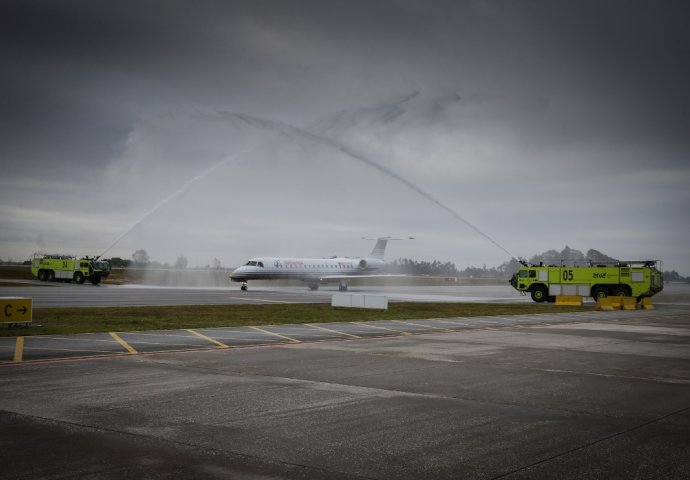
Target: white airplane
point(314, 271)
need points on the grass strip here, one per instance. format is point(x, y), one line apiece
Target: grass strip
point(52, 321)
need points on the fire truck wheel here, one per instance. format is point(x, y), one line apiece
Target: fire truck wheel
point(50, 275)
point(539, 293)
point(79, 277)
point(42, 275)
point(598, 292)
point(621, 291)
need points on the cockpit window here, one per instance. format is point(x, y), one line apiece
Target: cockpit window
point(260, 264)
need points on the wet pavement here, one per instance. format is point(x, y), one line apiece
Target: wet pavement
point(576, 395)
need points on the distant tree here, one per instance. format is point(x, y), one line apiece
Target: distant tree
point(216, 264)
point(119, 262)
point(572, 254)
point(597, 256)
point(181, 262)
point(550, 257)
point(568, 255)
point(407, 266)
point(673, 276)
point(140, 257)
point(508, 268)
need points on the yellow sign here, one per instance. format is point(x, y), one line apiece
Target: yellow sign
point(15, 310)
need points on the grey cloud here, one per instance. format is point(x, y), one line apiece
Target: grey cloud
point(127, 100)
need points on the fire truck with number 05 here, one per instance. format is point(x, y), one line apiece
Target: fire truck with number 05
point(642, 278)
point(68, 268)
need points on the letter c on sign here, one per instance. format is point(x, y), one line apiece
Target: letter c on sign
point(7, 310)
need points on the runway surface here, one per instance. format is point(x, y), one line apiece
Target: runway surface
point(73, 295)
point(578, 395)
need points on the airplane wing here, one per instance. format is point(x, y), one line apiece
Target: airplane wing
point(337, 278)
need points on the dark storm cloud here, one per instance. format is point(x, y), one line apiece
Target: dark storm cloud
point(99, 64)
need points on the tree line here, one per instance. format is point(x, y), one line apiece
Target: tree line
point(140, 259)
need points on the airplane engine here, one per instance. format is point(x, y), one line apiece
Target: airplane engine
point(369, 264)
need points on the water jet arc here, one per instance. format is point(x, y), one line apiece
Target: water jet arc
point(185, 186)
point(292, 131)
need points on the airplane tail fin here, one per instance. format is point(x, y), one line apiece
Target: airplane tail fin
point(380, 248)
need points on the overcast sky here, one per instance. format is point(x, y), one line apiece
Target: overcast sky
point(231, 129)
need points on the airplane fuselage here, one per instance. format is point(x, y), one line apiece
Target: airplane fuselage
point(306, 269)
point(313, 270)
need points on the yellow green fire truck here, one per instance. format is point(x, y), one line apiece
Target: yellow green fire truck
point(68, 268)
point(597, 279)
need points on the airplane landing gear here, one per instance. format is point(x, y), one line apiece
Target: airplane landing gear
point(342, 287)
point(313, 286)
point(244, 286)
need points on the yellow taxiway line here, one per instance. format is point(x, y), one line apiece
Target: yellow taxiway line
point(332, 331)
point(201, 335)
point(275, 334)
point(123, 343)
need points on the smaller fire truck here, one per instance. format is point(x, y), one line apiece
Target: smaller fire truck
point(68, 268)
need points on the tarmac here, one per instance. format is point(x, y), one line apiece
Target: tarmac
point(68, 295)
point(576, 395)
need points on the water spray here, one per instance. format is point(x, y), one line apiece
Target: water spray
point(292, 131)
point(185, 186)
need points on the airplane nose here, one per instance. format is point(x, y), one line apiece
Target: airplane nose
point(236, 272)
